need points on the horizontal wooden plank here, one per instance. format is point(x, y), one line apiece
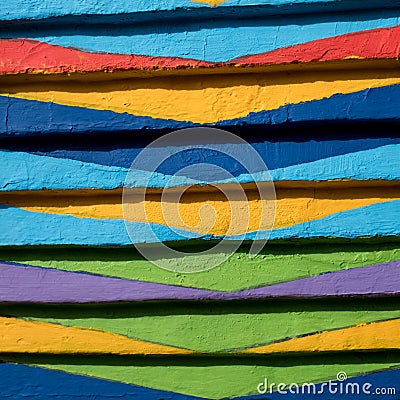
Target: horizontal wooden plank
point(209, 327)
point(208, 39)
point(363, 337)
point(371, 164)
point(19, 336)
point(28, 10)
point(188, 100)
point(275, 264)
point(376, 220)
point(279, 148)
point(122, 376)
point(20, 117)
point(27, 284)
point(182, 209)
point(29, 56)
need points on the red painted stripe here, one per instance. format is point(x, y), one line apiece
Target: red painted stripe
point(24, 56)
point(27, 56)
point(372, 44)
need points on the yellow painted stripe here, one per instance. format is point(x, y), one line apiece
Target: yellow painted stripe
point(206, 98)
point(372, 336)
point(207, 212)
point(21, 336)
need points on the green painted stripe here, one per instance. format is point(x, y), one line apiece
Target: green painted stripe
point(276, 263)
point(215, 326)
point(215, 378)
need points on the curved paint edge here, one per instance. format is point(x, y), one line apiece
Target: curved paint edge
point(44, 118)
point(377, 220)
point(380, 163)
point(378, 43)
point(276, 152)
point(188, 41)
point(313, 203)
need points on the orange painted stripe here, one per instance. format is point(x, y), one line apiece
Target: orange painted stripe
point(21, 336)
point(372, 336)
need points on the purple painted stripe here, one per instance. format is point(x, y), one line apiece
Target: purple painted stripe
point(375, 280)
point(22, 283)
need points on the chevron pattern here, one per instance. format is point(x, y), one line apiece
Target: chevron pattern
point(312, 86)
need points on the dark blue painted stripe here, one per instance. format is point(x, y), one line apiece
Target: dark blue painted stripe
point(276, 154)
point(372, 383)
point(370, 104)
point(24, 117)
point(21, 382)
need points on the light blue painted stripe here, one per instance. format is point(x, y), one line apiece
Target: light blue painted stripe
point(381, 219)
point(380, 163)
point(21, 227)
point(208, 40)
point(25, 171)
point(27, 9)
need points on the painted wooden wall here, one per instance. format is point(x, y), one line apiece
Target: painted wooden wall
point(312, 85)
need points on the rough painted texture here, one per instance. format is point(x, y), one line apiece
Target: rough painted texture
point(44, 118)
point(31, 10)
point(206, 38)
point(191, 99)
point(376, 220)
point(42, 57)
point(373, 336)
point(214, 326)
point(52, 286)
point(48, 382)
point(375, 164)
point(233, 212)
point(275, 264)
point(313, 86)
point(222, 378)
point(18, 336)
point(276, 150)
